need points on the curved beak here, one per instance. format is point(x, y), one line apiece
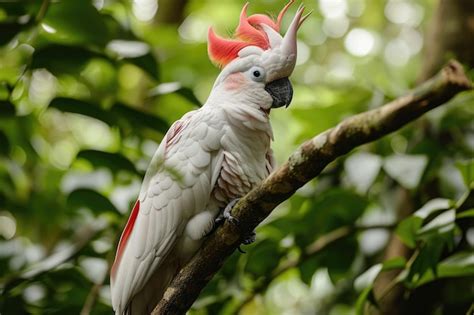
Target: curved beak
point(281, 92)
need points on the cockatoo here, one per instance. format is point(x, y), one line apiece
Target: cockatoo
point(208, 158)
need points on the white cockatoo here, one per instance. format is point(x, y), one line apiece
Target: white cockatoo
point(208, 158)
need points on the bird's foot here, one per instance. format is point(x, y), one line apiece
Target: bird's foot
point(247, 241)
point(250, 238)
point(227, 216)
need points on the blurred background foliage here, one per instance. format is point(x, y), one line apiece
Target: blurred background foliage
point(88, 89)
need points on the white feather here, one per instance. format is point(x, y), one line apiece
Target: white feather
point(216, 162)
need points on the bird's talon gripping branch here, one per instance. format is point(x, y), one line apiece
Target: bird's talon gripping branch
point(247, 241)
point(250, 239)
point(226, 213)
point(241, 250)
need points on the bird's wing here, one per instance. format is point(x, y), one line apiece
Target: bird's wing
point(177, 184)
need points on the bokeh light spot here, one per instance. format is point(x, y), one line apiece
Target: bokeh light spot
point(359, 42)
point(145, 10)
point(333, 8)
point(335, 27)
point(7, 225)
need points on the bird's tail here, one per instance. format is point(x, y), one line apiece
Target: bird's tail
point(147, 298)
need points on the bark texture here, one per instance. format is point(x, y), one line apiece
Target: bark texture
point(304, 164)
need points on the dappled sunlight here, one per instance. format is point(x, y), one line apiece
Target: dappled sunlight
point(335, 27)
point(95, 269)
point(7, 225)
point(99, 180)
point(194, 29)
point(34, 293)
point(333, 8)
point(128, 48)
point(360, 42)
point(304, 53)
point(145, 10)
point(404, 12)
point(42, 87)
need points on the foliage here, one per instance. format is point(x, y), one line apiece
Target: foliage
point(88, 89)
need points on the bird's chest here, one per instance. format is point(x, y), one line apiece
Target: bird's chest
point(244, 165)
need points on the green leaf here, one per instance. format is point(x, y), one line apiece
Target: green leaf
point(113, 161)
point(140, 119)
point(340, 258)
point(7, 109)
point(9, 30)
point(466, 168)
point(147, 63)
point(75, 22)
point(362, 169)
point(308, 268)
point(279, 228)
point(460, 264)
point(84, 108)
point(443, 223)
point(90, 199)
point(394, 263)
point(407, 170)
point(4, 144)
point(407, 230)
point(263, 257)
point(16, 8)
point(426, 260)
point(366, 279)
point(330, 210)
point(59, 59)
point(176, 87)
point(361, 301)
point(188, 94)
point(465, 214)
point(433, 206)
point(3, 199)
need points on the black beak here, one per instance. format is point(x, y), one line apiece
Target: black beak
point(281, 92)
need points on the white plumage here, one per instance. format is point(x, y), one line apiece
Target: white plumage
point(180, 197)
point(208, 158)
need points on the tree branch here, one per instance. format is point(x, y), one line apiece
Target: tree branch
point(304, 164)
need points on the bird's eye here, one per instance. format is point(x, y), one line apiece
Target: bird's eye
point(257, 74)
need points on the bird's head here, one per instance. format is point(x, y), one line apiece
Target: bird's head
point(256, 63)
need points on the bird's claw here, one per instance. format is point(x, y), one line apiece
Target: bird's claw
point(226, 214)
point(250, 238)
point(247, 241)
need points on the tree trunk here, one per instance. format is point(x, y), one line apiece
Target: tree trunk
point(170, 11)
point(450, 35)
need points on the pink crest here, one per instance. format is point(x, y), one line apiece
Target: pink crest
point(248, 33)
